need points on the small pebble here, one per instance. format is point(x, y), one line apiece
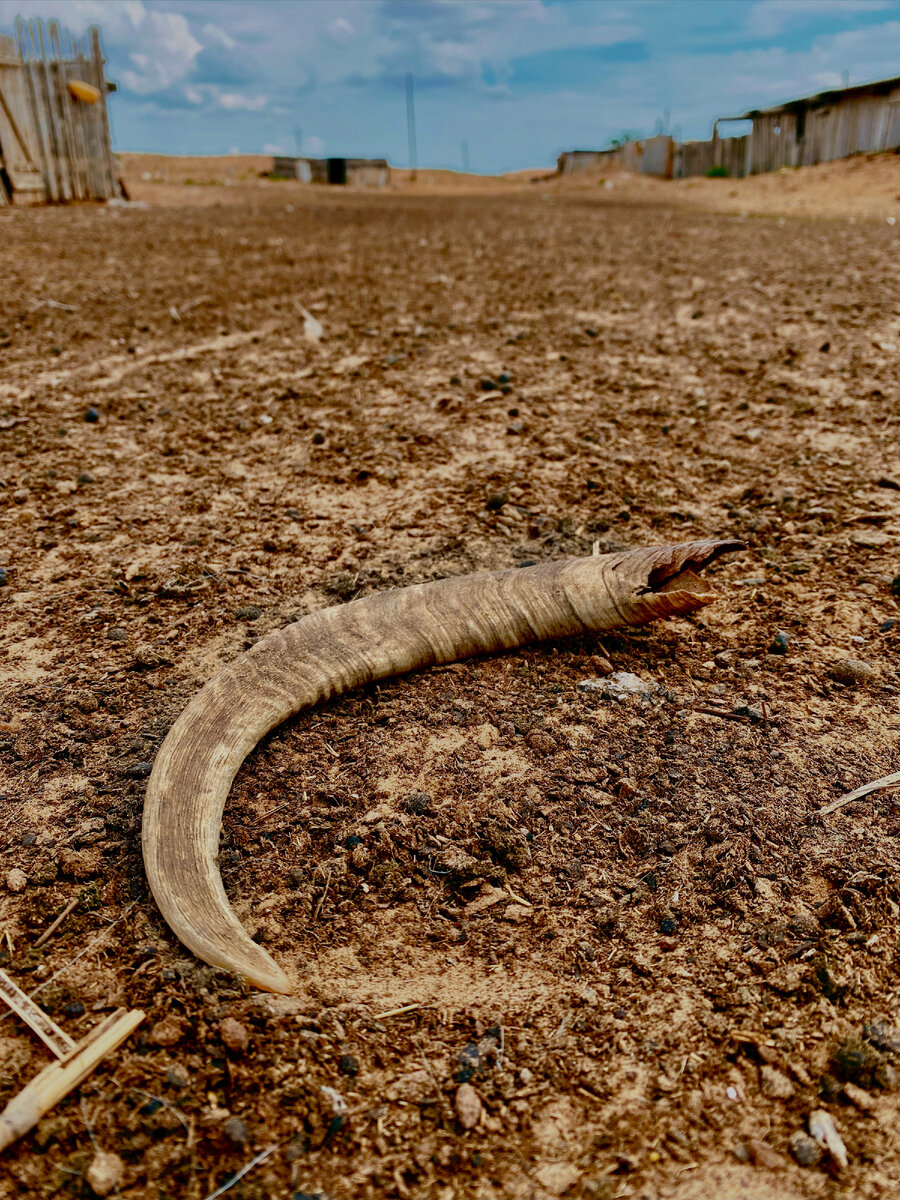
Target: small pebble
point(167, 1032)
point(105, 1173)
point(139, 770)
point(496, 501)
point(417, 804)
point(318, 438)
point(775, 1084)
point(348, 1065)
point(468, 1106)
point(234, 1035)
point(805, 1150)
point(885, 626)
point(763, 1155)
point(16, 880)
point(236, 1131)
point(86, 477)
point(116, 635)
point(779, 643)
point(250, 613)
point(667, 926)
point(74, 1009)
point(92, 416)
point(853, 671)
point(4, 577)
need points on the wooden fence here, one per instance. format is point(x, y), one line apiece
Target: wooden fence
point(700, 158)
point(54, 123)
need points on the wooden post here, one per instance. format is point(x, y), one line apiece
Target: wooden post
point(111, 181)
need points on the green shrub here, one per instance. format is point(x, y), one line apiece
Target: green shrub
point(717, 173)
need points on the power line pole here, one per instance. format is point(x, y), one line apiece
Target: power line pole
point(411, 123)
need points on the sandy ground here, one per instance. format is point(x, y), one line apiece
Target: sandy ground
point(867, 186)
point(626, 925)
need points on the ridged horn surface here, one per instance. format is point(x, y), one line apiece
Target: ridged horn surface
point(331, 651)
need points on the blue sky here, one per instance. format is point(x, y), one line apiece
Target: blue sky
point(519, 80)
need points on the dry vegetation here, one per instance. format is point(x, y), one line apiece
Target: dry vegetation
point(625, 925)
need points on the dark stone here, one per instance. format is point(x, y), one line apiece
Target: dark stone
point(885, 482)
point(92, 416)
point(116, 635)
point(169, 975)
point(151, 1107)
point(895, 586)
point(4, 577)
point(348, 1065)
point(885, 626)
point(779, 643)
point(667, 847)
point(86, 477)
point(805, 1149)
point(496, 501)
point(236, 1131)
point(825, 347)
point(488, 385)
point(667, 926)
point(455, 380)
point(352, 841)
point(139, 770)
point(504, 378)
point(417, 804)
point(29, 838)
point(250, 613)
point(74, 1009)
point(318, 438)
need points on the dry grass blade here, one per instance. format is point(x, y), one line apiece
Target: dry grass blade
point(254, 1162)
point(874, 786)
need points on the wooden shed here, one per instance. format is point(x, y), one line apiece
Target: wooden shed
point(54, 125)
point(863, 119)
point(358, 172)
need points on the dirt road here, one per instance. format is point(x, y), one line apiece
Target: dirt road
point(624, 924)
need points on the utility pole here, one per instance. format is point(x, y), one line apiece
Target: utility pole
point(465, 155)
point(411, 125)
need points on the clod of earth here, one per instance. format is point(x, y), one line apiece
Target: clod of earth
point(329, 652)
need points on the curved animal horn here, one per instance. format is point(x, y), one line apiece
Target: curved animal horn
point(331, 651)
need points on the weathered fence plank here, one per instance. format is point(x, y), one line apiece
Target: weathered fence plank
point(54, 144)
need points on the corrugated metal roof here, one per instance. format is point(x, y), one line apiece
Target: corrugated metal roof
point(877, 87)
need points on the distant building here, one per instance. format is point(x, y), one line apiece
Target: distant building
point(357, 172)
point(647, 156)
point(863, 119)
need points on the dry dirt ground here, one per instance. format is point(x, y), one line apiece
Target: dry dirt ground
point(624, 924)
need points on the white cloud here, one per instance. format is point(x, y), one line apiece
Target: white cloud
point(770, 17)
point(235, 101)
point(212, 33)
point(341, 31)
point(269, 148)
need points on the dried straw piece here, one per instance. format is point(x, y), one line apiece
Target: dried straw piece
point(59, 1078)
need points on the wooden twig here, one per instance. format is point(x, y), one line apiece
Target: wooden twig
point(396, 1012)
point(51, 929)
point(54, 1038)
point(322, 898)
point(885, 781)
point(59, 1078)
